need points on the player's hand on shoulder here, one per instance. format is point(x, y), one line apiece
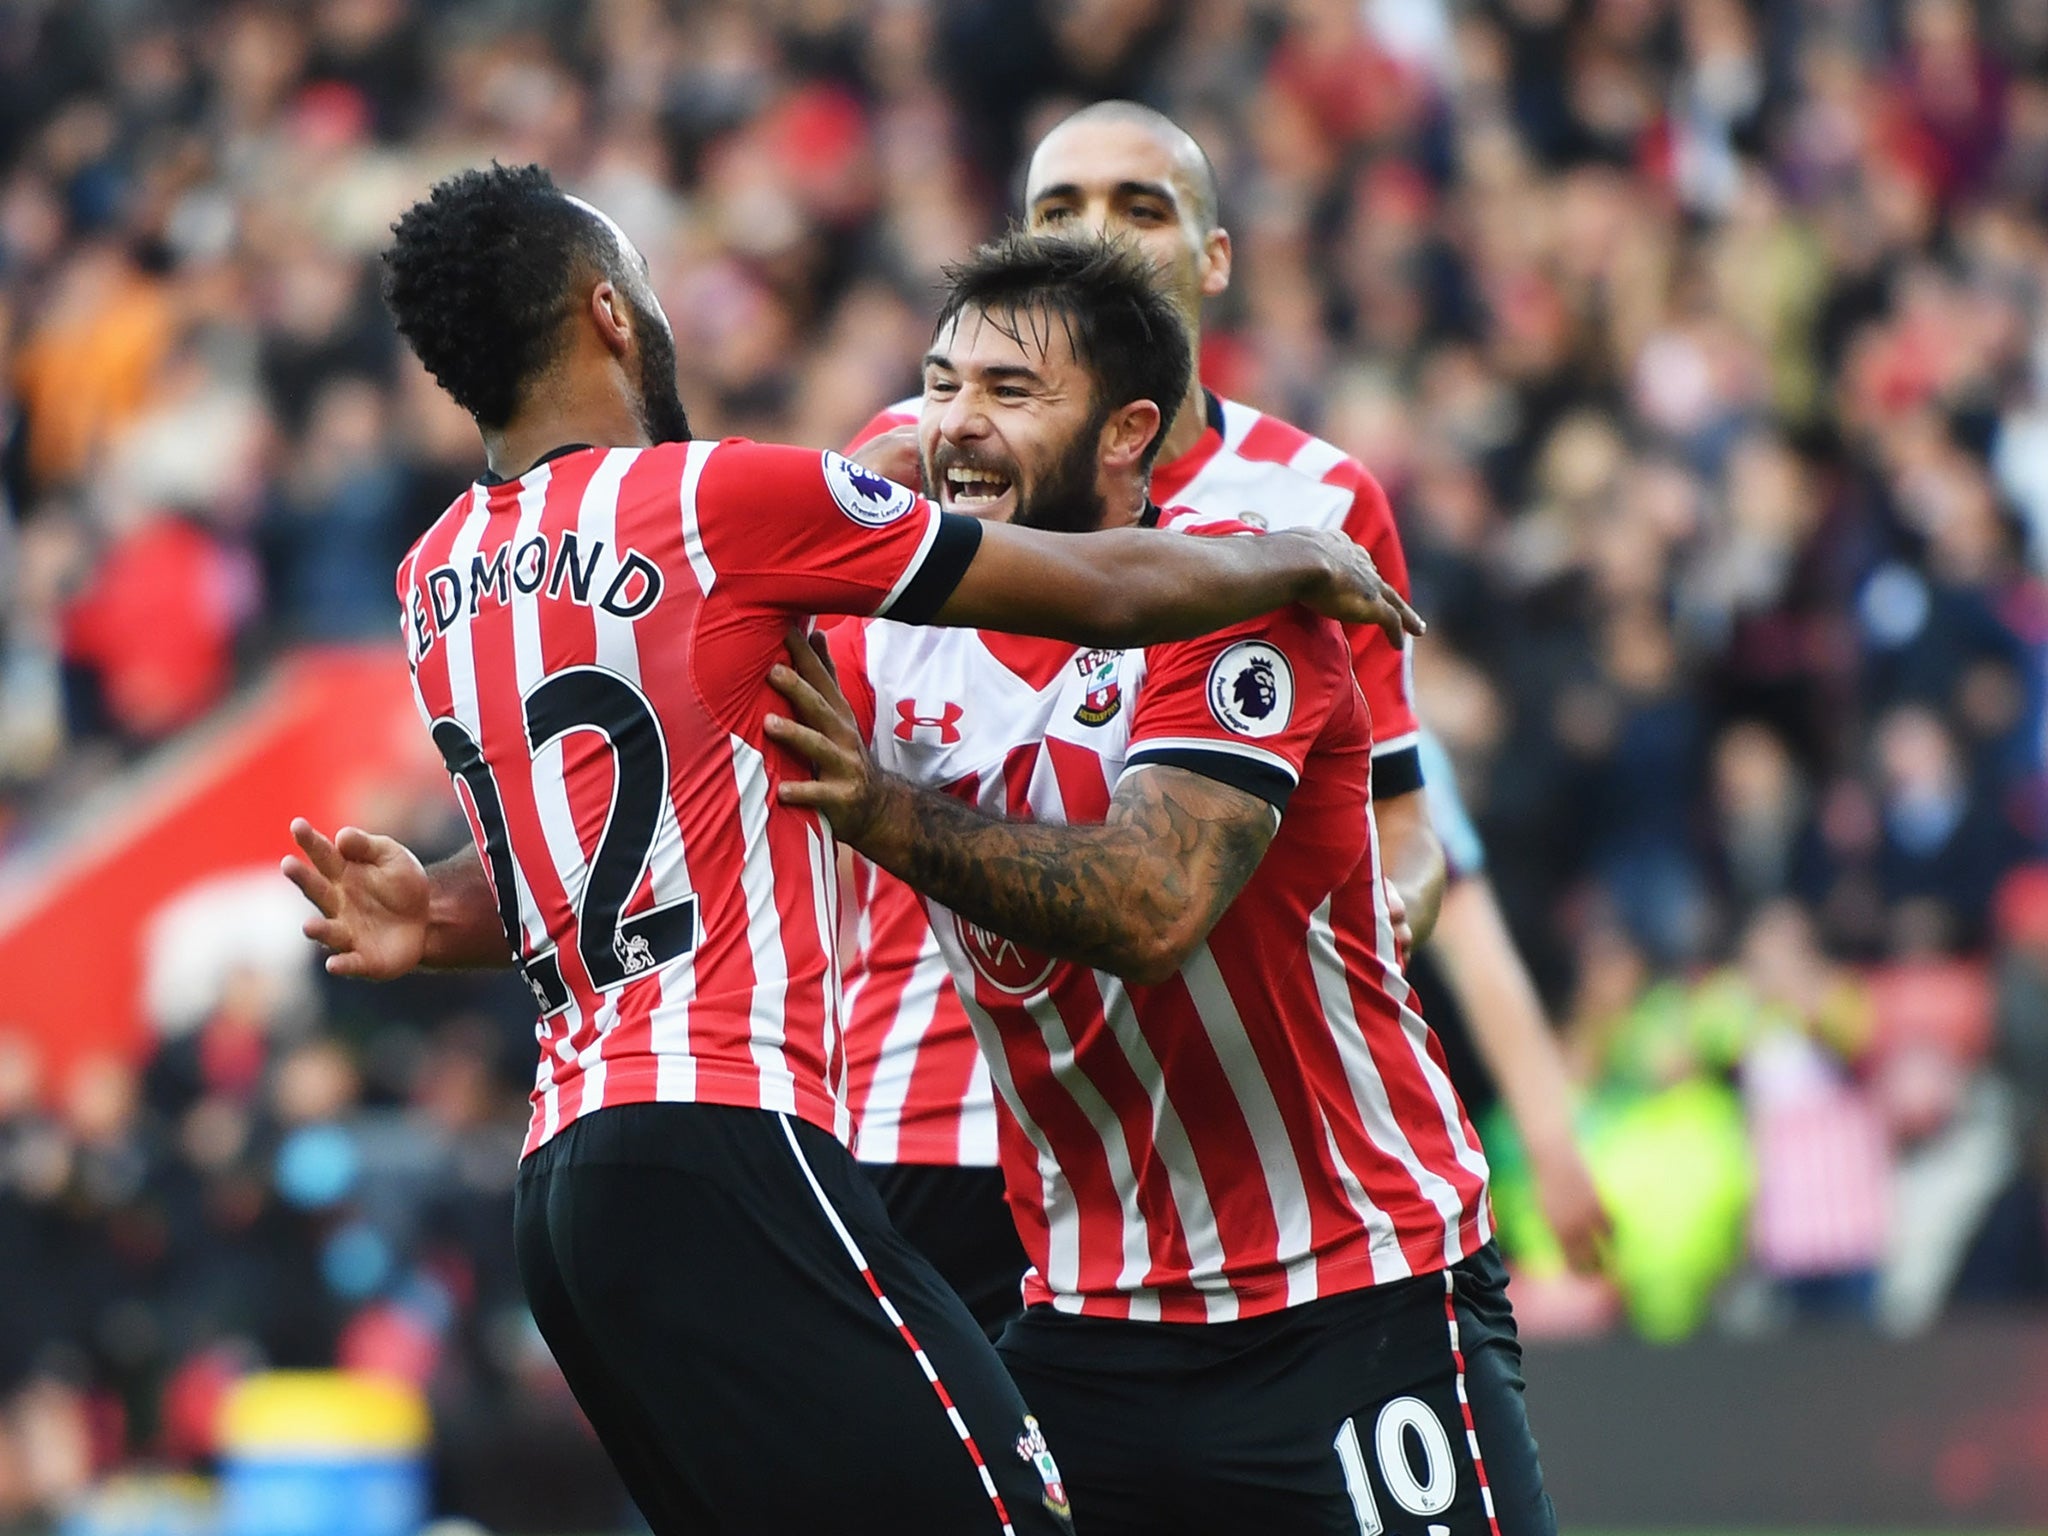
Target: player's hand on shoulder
point(372, 895)
point(1353, 591)
point(893, 453)
point(848, 790)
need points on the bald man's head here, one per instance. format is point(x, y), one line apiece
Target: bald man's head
point(1191, 163)
point(1124, 171)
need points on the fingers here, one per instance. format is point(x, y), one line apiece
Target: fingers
point(313, 885)
point(360, 847)
point(822, 711)
point(1582, 1249)
point(319, 850)
point(821, 648)
point(329, 934)
point(1411, 621)
point(810, 705)
point(813, 663)
point(825, 754)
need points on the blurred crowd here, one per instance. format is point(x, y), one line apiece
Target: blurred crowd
point(1702, 347)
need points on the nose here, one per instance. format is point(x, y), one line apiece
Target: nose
point(963, 420)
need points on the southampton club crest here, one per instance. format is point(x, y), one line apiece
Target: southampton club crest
point(1104, 698)
point(1251, 689)
point(872, 500)
point(1031, 1448)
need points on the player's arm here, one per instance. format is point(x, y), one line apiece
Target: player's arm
point(1477, 956)
point(1410, 853)
point(1412, 858)
point(383, 913)
point(814, 534)
point(1134, 896)
point(1127, 587)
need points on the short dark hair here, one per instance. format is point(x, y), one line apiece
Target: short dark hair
point(479, 280)
point(1124, 329)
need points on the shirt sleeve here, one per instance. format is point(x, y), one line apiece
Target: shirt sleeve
point(810, 532)
point(1464, 853)
point(1386, 672)
point(1242, 706)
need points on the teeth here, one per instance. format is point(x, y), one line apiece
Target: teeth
point(976, 484)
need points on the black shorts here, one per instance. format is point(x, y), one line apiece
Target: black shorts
point(754, 1344)
point(1339, 1417)
point(959, 1219)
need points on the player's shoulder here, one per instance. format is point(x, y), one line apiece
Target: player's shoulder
point(1204, 523)
point(754, 478)
point(1258, 437)
point(440, 533)
point(904, 413)
point(1274, 474)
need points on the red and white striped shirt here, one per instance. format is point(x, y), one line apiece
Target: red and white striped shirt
point(589, 646)
point(919, 1092)
point(1275, 1122)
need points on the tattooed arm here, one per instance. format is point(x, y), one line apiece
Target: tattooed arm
point(1134, 896)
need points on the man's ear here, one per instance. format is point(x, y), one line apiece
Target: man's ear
point(612, 317)
point(1216, 258)
point(1128, 432)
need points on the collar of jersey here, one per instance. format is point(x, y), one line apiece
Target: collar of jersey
point(1169, 480)
point(487, 478)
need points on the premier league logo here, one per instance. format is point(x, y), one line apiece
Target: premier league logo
point(1251, 689)
point(872, 500)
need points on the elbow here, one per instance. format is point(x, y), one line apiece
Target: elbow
point(1155, 954)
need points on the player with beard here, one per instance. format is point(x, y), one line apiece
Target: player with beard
point(1263, 1294)
point(587, 629)
point(921, 1098)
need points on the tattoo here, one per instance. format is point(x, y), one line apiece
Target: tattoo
point(1131, 896)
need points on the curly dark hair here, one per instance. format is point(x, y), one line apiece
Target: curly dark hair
point(479, 280)
point(1105, 294)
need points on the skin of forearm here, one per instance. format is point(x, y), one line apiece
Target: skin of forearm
point(1413, 859)
point(1132, 896)
point(463, 931)
point(1207, 584)
point(1477, 957)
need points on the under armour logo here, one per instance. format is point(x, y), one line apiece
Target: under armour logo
point(946, 722)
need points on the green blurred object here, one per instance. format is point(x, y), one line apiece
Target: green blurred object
point(1674, 1169)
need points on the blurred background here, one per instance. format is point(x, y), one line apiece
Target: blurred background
point(1701, 345)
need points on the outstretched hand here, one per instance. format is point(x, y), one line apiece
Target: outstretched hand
point(1355, 591)
point(372, 894)
point(848, 790)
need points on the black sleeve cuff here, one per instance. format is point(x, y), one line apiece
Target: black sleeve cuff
point(1396, 774)
point(1270, 784)
point(952, 551)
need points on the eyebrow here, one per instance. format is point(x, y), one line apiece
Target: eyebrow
point(1158, 189)
point(992, 371)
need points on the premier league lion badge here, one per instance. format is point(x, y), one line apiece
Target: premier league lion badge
point(872, 500)
point(1251, 689)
